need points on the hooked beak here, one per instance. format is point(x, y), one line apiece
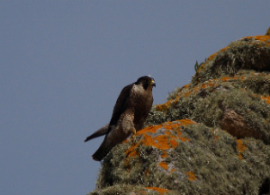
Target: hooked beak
point(153, 83)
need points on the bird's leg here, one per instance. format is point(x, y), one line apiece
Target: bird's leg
point(127, 123)
point(133, 131)
point(133, 137)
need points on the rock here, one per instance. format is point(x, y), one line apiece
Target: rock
point(221, 84)
point(236, 125)
point(212, 136)
point(185, 157)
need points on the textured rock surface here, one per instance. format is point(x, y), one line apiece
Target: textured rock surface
point(234, 80)
point(211, 137)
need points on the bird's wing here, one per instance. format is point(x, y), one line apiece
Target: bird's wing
point(121, 104)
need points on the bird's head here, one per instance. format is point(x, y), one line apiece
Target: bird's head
point(147, 82)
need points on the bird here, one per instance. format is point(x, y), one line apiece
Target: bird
point(129, 114)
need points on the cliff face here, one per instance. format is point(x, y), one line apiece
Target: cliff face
point(211, 137)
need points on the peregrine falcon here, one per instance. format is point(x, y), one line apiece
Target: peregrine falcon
point(129, 115)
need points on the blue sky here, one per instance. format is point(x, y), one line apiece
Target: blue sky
point(64, 63)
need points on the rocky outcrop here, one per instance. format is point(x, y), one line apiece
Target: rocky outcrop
point(211, 137)
point(230, 90)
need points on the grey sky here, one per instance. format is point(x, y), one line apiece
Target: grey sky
point(64, 63)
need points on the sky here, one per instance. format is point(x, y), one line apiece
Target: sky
point(64, 63)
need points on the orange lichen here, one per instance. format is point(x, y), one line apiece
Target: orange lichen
point(187, 94)
point(184, 139)
point(201, 67)
point(191, 176)
point(165, 154)
point(266, 98)
point(195, 90)
point(240, 148)
point(173, 143)
point(263, 38)
point(212, 83)
point(211, 57)
point(186, 86)
point(166, 139)
point(125, 141)
point(166, 105)
point(207, 85)
point(225, 79)
point(160, 190)
point(170, 125)
point(204, 85)
point(186, 122)
point(240, 156)
point(166, 167)
point(163, 165)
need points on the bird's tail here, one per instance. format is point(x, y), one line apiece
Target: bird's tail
point(103, 150)
point(102, 131)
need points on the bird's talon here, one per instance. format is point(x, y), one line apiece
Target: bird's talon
point(133, 138)
point(133, 131)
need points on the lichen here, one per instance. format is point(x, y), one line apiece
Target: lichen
point(196, 166)
point(191, 176)
point(240, 148)
point(211, 136)
point(162, 137)
point(160, 190)
point(250, 53)
point(207, 102)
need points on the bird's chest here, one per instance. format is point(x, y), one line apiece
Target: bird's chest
point(143, 100)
